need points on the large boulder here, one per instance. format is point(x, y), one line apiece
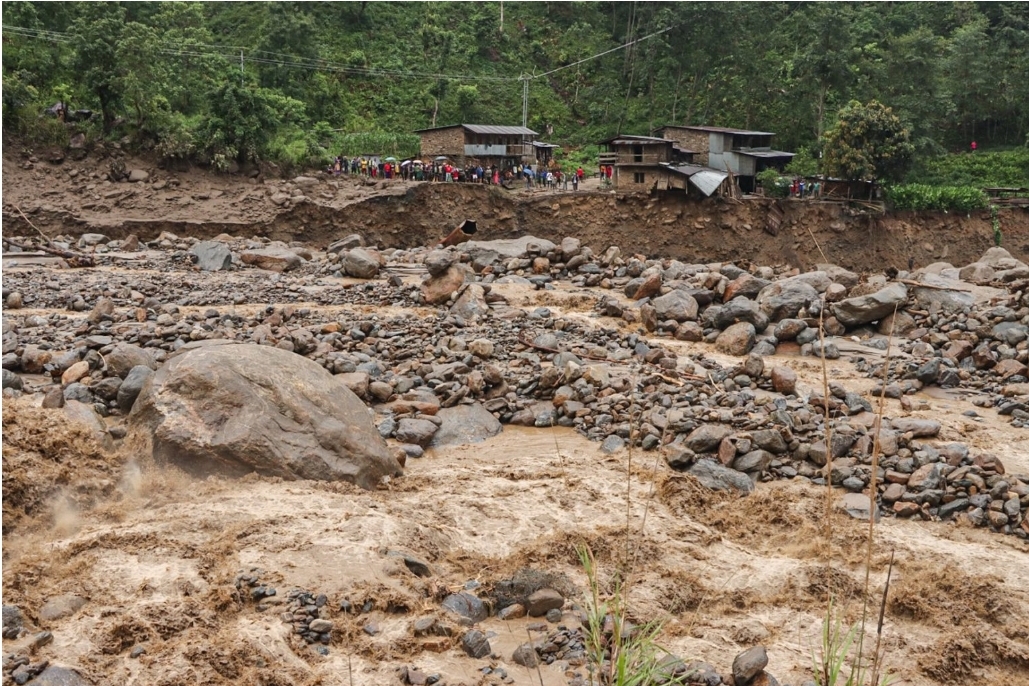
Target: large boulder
point(869, 308)
point(361, 264)
point(786, 298)
point(676, 305)
point(131, 387)
point(235, 409)
point(465, 424)
point(941, 293)
point(737, 340)
point(717, 477)
point(471, 304)
point(273, 258)
point(211, 256)
point(438, 289)
point(523, 246)
point(745, 285)
point(124, 356)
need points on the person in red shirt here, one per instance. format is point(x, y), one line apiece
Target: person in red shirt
point(973, 146)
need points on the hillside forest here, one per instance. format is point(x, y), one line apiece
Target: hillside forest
point(224, 82)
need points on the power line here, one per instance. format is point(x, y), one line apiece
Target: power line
point(606, 52)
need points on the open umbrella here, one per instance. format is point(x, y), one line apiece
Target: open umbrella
point(390, 159)
point(441, 158)
point(405, 163)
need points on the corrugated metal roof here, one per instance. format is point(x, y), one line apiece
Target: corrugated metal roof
point(708, 180)
point(499, 130)
point(722, 129)
point(765, 154)
point(705, 179)
point(636, 140)
point(540, 144)
point(486, 129)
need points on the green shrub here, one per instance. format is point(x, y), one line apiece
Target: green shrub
point(774, 184)
point(920, 197)
point(803, 163)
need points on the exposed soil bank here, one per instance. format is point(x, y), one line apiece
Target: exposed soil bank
point(76, 198)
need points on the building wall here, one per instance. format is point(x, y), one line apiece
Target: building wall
point(625, 179)
point(690, 140)
point(652, 154)
point(449, 142)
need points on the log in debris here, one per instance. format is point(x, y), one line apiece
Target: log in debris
point(75, 259)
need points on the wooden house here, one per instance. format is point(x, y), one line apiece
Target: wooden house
point(479, 143)
point(742, 152)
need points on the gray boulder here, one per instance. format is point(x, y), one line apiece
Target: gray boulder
point(754, 461)
point(749, 664)
point(869, 308)
point(416, 431)
point(124, 356)
point(235, 409)
point(786, 298)
point(706, 437)
point(716, 476)
point(211, 256)
point(465, 424)
point(132, 385)
point(676, 305)
point(471, 304)
point(942, 294)
point(12, 380)
point(361, 264)
point(438, 262)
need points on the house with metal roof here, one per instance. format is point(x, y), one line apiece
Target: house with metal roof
point(743, 152)
point(482, 143)
point(640, 162)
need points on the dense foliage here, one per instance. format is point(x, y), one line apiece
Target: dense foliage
point(868, 143)
point(231, 81)
point(1009, 168)
point(920, 197)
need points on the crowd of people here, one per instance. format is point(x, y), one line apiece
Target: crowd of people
point(442, 171)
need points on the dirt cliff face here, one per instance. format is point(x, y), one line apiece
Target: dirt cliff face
point(77, 197)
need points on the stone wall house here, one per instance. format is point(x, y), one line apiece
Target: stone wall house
point(688, 139)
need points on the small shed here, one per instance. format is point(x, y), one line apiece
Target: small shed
point(544, 152)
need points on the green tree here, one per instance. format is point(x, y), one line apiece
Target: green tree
point(243, 120)
point(868, 142)
point(95, 36)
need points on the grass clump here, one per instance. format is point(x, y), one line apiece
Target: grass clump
point(619, 652)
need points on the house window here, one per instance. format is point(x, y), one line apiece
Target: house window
point(637, 153)
point(639, 177)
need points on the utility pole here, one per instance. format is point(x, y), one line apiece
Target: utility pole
point(525, 101)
